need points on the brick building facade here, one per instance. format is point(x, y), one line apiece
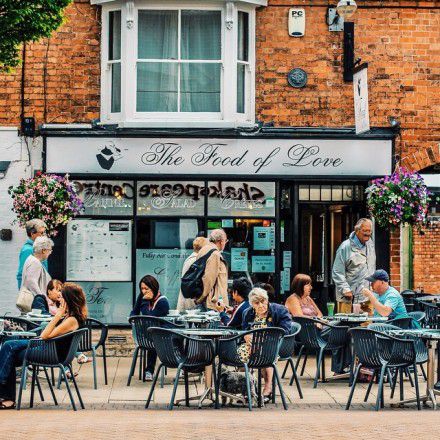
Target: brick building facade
point(399, 39)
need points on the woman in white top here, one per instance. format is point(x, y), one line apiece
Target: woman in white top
point(188, 303)
point(35, 277)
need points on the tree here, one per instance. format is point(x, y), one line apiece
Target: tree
point(23, 21)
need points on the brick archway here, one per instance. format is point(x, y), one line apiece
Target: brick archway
point(421, 158)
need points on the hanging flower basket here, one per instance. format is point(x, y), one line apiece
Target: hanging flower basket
point(401, 198)
point(47, 197)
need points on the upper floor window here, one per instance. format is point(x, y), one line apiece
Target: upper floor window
point(191, 65)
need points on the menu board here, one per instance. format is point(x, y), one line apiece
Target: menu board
point(98, 250)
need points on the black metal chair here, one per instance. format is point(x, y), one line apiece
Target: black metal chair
point(403, 323)
point(311, 338)
point(417, 316)
point(432, 312)
point(140, 324)
point(286, 353)
point(264, 351)
point(408, 299)
point(87, 344)
point(51, 353)
point(24, 323)
point(378, 352)
point(187, 354)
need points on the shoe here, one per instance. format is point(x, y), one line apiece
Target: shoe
point(267, 399)
point(148, 376)
point(437, 386)
point(83, 359)
point(3, 406)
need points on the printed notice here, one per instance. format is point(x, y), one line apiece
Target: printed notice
point(285, 279)
point(99, 250)
point(263, 263)
point(239, 260)
point(287, 259)
point(262, 238)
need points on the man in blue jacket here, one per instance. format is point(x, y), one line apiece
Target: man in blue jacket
point(240, 291)
point(34, 228)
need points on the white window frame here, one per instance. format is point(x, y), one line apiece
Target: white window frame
point(129, 117)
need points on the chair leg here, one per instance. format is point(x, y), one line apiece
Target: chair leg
point(323, 367)
point(95, 382)
point(104, 359)
point(259, 400)
point(76, 387)
point(280, 387)
point(285, 370)
point(217, 385)
point(248, 387)
point(141, 357)
point(49, 382)
point(72, 401)
point(295, 378)
point(393, 385)
point(370, 385)
point(380, 389)
point(304, 363)
point(52, 376)
point(423, 371)
point(401, 383)
point(176, 383)
point(153, 385)
point(37, 381)
point(416, 384)
point(133, 365)
point(408, 373)
point(22, 382)
point(31, 405)
point(185, 374)
point(298, 357)
point(60, 379)
point(318, 367)
point(162, 377)
point(353, 386)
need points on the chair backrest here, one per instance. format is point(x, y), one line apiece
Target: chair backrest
point(382, 327)
point(417, 316)
point(24, 323)
point(141, 324)
point(174, 349)
point(366, 347)
point(90, 325)
point(309, 334)
point(55, 351)
point(431, 314)
point(403, 323)
point(265, 346)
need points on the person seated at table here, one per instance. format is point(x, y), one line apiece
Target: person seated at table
point(233, 317)
point(262, 314)
point(150, 302)
point(300, 303)
point(48, 304)
point(386, 300)
point(70, 316)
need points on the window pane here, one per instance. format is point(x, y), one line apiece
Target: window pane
point(326, 193)
point(157, 34)
point(315, 192)
point(348, 193)
point(201, 35)
point(241, 88)
point(116, 88)
point(156, 87)
point(304, 192)
point(337, 193)
point(200, 87)
point(114, 42)
point(243, 36)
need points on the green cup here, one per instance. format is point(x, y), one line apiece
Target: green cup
point(331, 309)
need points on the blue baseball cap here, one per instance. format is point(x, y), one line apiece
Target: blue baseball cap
point(379, 275)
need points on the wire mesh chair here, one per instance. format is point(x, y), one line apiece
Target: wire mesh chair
point(185, 353)
point(140, 324)
point(417, 316)
point(86, 344)
point(432, 311)
point(408, 299)
point(403, 323)
point(312, 338)
point(24, 323)
point(51, 353)
point(264, 349)
point(378, 351)
point(287, 349)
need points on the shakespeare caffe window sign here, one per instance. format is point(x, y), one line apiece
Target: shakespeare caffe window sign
point(219, 157)
point(224, 198)
point(110, 197)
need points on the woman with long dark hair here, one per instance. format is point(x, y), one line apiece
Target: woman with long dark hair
point(150, 302)
point(70, 316)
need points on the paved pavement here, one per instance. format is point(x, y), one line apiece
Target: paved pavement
point(116, 410)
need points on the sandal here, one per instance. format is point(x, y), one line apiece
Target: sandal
point(69, 376)
point(83, 359)
point(267, 398)
point(3, 406)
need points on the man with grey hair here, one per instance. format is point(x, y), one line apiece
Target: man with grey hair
point(355, 260)
point(34, 228)
point(215, 277)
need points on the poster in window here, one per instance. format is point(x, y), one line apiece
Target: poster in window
point(98, 250)
point(262, 238)
point(239, 260)
point(263, 263)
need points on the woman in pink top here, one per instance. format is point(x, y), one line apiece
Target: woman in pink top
point(300, 302)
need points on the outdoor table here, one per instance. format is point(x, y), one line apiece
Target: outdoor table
point(429, 298)
point(205, 333)
point(13, 335)
point(431, 337)
point(200, 319)
point(38, 319)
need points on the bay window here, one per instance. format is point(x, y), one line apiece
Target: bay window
point(178, 63)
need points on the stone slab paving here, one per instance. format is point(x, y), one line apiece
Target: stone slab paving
point(116, 410)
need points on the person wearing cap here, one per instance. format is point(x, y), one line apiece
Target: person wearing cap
point(386, 300)
point(355, 260)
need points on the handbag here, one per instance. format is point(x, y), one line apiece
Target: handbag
point(25, 300)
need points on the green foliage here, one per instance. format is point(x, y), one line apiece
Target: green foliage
point(26, 21)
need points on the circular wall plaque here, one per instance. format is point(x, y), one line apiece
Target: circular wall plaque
point(297, 78)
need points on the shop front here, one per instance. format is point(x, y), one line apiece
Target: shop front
point(285, 204)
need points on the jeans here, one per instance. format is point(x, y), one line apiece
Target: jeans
point(151, 361)
point(11, 356)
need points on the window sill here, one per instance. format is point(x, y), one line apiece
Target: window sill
point(185, 124)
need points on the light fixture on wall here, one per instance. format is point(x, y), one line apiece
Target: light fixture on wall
point(346, 8)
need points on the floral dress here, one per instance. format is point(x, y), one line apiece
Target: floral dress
point(244, 350)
